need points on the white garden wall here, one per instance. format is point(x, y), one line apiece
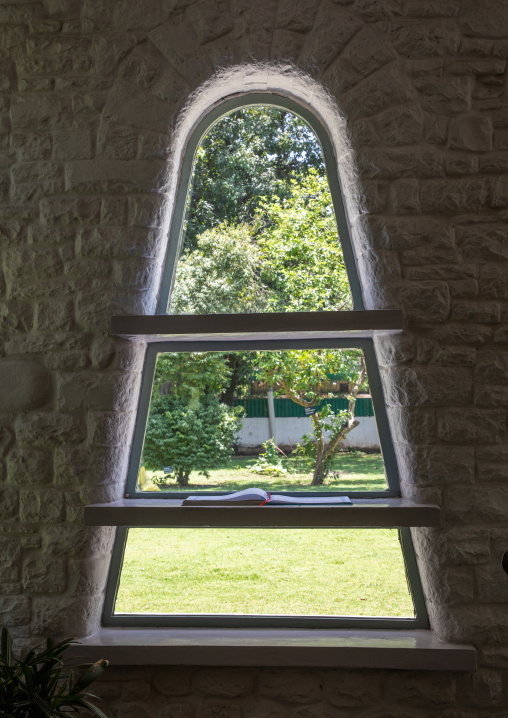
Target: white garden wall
point(289, 431)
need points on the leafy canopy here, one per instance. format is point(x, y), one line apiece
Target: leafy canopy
point(251, 153)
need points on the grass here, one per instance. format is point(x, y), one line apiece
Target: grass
point(326, 572)
point(351, 471)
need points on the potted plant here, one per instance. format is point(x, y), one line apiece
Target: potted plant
point(44, 685)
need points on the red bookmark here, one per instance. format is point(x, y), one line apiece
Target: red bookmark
point(267, 500)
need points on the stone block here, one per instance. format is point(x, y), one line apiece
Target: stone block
point(7, 438)
point(493, 283)
point(395, 349)
point(54, 315)
point(43, 574)
point(454, 195)
point(402, 162)
point(77, 541)
point(461, 165)
point(30, 467)
point(405, 196)
point(464, 288)
point(128, 105)
point(15, 610)
point(33, 111)
point(110, 392)
point(10, 554)
point(140, 17)
point(177, 710)
point(72, 145)
point(114, 211)
point(460, 545)
point(41, 505)
point(474, 334)
point(471, 132)
point(437, 465)
point(476, 311)
point(424, 38)
point(32, 146)
point(9, 502)
point(485, 20)
point(148, 210)
point(225, 684)
point(50, 429)
point(381, 90)
point(368, 51)
point(424, 301)
point(110, 428)
point(294, 686)
point(412, 426)
point(68, 616)
point(117, 142)
point(401, 125)
point(421, 688)
point(176, 682)
point(210, 20)
point(444, 95)
point(427, 386)
point(348, 689)
point(296, 15)
point(29, 261)
point(178, 42)
point(485, 243)
point(110, 176)
point(333, 27)
point(70, 210)
point(24, 385)
point(87, 576)
point(471, 425)
point(483, 689)
point(454, 356)
point(492, 367)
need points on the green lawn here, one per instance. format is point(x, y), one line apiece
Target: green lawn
point(351, 471)
point(349, 572)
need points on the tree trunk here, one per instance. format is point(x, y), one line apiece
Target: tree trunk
point(319, 468)
point(182, 478)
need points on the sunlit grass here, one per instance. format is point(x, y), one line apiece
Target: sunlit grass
point(350, 572)
point(351, 471)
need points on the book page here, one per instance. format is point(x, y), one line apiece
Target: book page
point(318, 500)
point(252, 494)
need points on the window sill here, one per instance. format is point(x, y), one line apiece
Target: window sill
point(217, 327)
point(393, 512)
point(388, 649)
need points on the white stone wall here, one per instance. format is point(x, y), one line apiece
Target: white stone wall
point(91, 94)
point(290, 429)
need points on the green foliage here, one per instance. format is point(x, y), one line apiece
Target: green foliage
point(301, 263)
point(188, 375)
point(270, 462)
point(298, 373)
point(189, 439)
point(218, 276)
point(251, 153)
point(43, 684)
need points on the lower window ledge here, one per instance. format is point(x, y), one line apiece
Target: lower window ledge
point(391, 649)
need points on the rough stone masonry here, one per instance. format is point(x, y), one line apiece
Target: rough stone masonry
point(91, 93)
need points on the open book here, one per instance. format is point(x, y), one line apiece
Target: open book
point(258, 497)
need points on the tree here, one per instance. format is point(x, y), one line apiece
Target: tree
point(251, 153)
point(190, 437)
point(298, 375)
point(301, 261)
point(219, 275)
point(188, 427)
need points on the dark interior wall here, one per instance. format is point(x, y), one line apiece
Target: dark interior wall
point(90, 94)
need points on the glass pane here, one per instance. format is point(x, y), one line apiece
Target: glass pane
point(260, 233)
point(299, 420)
point(321, 572)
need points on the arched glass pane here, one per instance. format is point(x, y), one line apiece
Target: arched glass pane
point(260, 233)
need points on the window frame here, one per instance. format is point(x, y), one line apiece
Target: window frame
point(280, 341)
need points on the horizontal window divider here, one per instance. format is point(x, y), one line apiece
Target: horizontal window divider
point(285, 325)
point(169, 513)
point(416, 649)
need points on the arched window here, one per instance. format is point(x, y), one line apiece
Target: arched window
point(318, 547)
